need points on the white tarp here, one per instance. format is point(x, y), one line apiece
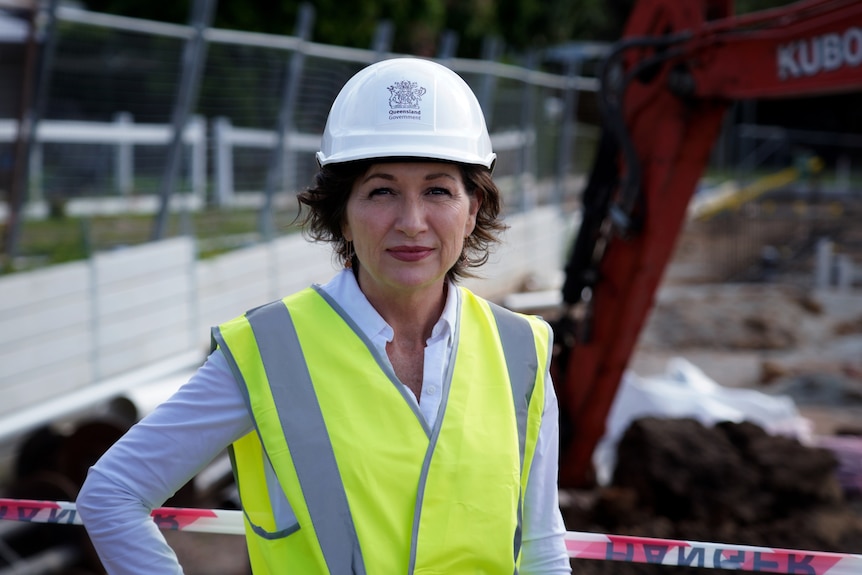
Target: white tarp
point(684, 390)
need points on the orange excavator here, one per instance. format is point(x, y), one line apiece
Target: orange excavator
point(665, 88)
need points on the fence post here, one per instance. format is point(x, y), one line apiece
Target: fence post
point(568, 129)
point(94, 310)
point(36, 183)
point(382, 41)
point(293, 73)
point(492, 47)
point(525, 154)
point(223, 145)
point(846, 273)
point(747, 144)
point(842, 173)
point(38, 75)
point(194, 55)
point(448, 45)
point(823, 270)
point(124, 167)
point(198, 136)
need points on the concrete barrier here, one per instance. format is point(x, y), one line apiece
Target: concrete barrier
point(79, 333)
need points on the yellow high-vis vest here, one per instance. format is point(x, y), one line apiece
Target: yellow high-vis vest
point(342, 474)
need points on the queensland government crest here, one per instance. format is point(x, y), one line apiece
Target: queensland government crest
point(405, 95)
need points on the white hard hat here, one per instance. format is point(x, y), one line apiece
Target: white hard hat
point(406, 107)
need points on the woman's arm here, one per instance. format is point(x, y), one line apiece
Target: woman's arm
point(544, 550)
point(154, 459)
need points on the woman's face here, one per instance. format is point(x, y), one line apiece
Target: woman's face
point(407, 222)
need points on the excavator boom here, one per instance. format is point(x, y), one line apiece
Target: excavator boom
point(664, 92)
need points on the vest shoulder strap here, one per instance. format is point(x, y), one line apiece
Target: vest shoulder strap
point(304, 429)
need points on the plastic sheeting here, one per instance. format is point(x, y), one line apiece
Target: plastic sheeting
point(685, 391)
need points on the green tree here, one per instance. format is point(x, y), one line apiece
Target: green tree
point(418, 24)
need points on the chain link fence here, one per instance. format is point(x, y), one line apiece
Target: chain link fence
point(782, 193)
point(104, 131)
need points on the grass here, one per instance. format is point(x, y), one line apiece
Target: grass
point(63, 239)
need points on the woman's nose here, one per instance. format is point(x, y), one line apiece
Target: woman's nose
point(411, 217)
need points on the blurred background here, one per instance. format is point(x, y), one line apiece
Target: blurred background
point(150, 153)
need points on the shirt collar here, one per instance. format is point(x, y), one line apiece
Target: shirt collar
point(344, 289)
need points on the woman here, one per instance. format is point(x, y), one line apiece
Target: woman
point(387, 421)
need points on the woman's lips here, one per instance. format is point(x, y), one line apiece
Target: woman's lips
point(409, 253)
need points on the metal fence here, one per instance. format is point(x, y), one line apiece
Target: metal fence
point(795, 189)
point(104, 137)
point(112, 91)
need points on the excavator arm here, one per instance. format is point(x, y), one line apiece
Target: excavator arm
point(665, 89)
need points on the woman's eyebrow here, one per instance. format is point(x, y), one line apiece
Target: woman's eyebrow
point(440, 175)
point(381, 175)
point(390, 177)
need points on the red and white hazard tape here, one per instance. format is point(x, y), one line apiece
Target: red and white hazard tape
point(580, 545)
point(169, 518)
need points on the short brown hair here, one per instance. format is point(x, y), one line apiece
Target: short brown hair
point(326, 200)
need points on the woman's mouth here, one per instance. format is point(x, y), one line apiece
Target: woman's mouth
point(409, 253)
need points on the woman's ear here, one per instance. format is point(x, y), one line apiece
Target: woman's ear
point(475, 204)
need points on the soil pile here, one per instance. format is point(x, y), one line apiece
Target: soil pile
point(731, 483)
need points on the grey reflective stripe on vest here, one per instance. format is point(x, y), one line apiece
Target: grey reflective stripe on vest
point(305, 432)
point(522, 362)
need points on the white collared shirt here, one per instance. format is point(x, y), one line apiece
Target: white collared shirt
point(181, 436)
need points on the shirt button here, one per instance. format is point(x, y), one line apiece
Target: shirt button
point(431, 390)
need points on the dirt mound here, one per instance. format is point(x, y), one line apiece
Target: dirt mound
point(733, 316)
point(731, 483)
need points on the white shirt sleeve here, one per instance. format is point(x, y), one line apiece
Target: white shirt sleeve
point(543, 550)
point(153, 460)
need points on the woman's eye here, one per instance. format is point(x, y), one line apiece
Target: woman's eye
point(439, 192)
point(379, 192)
